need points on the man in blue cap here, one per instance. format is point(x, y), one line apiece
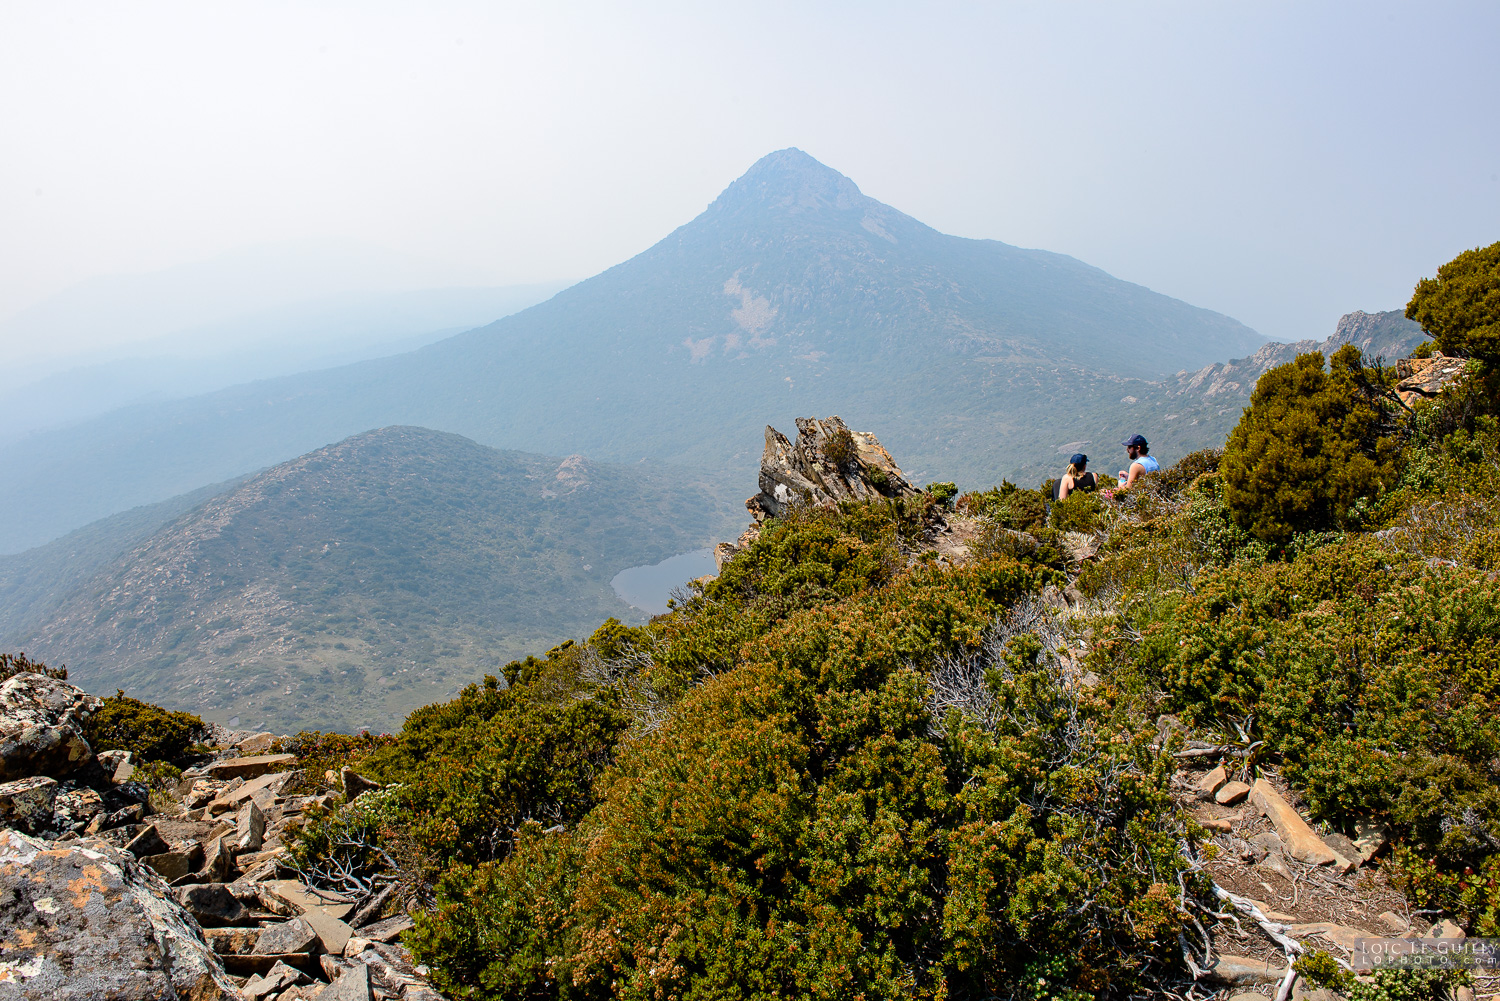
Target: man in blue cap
point(1141, 462)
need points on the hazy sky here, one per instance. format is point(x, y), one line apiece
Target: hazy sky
point(1282, 163)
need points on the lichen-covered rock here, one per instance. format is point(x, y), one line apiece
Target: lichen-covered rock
point(41, 727)
point(74, 808)
point(86, 921)
point(1426, 378)
point(26, 804)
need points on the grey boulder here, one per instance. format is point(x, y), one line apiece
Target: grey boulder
point(88, 921)
point(41, 727)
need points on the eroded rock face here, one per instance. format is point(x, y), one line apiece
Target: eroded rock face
point(41, 727)
point(89, 922)
point(827, 464)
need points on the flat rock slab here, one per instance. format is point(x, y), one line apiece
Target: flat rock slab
point(387, 930)
point(1342, 936)
point(295, 935)
point(148, 842)
point(1212, 781)
point(1231, 793)
point(1244, 971)
point(212, 904)
point(252, 767)
point(331, 932)
point(1302, 843)
point(354, 985)
point(88, 921)
point(301, 899)
point(231, 941)
point(169, 865)
point(268, 785)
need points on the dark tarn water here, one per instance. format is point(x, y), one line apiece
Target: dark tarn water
point(648, 588)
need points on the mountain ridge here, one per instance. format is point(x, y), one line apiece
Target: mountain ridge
point(395, 559)
point(777, 300)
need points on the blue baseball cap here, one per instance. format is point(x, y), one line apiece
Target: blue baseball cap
point(1135, 440)
point(1078, 459)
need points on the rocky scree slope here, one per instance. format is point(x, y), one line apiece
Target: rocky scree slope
point(104, 896)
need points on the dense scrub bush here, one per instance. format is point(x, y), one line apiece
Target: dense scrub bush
point(1375, 679)
point(12, 664)
point(1460, 308)
point(805, 825)
point(1080, 511)
point(1308, 449)
point(1009, 506)
point(943, 493)
point(148, 732)
point(319, 753)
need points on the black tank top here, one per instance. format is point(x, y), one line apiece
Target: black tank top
point(1088, 481)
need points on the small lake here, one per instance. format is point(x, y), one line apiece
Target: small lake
point(648, 588)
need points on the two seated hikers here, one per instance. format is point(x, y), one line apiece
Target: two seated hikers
point(1076, 478)
point(1141, 462)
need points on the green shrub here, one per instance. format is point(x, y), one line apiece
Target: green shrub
point(1460, 308)
point(803, 825)
point(943, 493)
point(1080, 511)
point(1009, 506)
point(12, 664)
point(838, 448)
point(149, 733)
point(318, 753)
point(1307, 449)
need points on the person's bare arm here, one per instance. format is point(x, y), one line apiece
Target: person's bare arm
point(1064, 488)
point(1136, 472)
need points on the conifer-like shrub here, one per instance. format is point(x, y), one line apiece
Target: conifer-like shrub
point(1460, 308)
point(148, 732)
point(838, 448)
point(1307, 450)
point(12, 664)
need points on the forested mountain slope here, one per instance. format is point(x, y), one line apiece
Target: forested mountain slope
point(346, 587)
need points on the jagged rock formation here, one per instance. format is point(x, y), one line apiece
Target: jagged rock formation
point(103, 897)
point(1377, 335)
point(828, 463)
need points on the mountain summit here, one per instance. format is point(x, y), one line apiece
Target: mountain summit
point(792, 182)
point(792, 293)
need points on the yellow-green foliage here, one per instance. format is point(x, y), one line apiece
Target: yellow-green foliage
point(1307, 450)
point(12, 664)
point(797, 821)
point(1009, 506)
point(149, 732)
point(1460, 308)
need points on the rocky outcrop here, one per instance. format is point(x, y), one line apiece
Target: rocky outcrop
point(1377, 335)
point(1426, 378)
point(103, 897)
point(41, 727)
point(88, 921)
point(828, 463)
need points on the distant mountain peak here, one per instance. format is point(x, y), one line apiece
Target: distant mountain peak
point(793, 182)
